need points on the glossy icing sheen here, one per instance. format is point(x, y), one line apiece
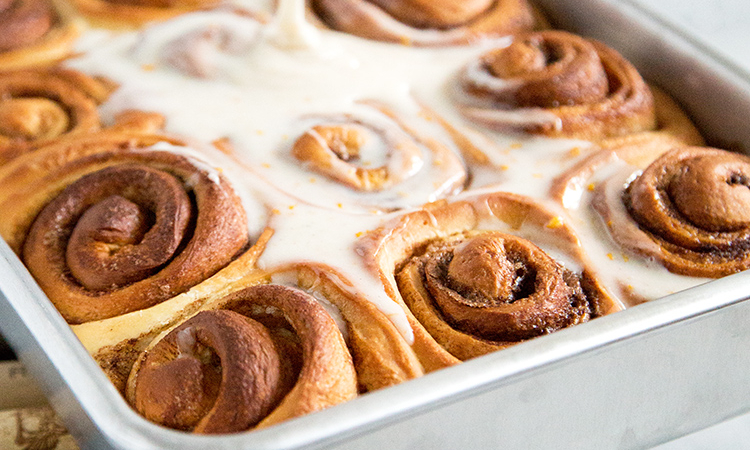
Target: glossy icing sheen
point(223, 75)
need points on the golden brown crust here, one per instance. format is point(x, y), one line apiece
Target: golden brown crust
point(381, 355)
point(315, 365)
point(693, 203)
point(425, 23)
point(216, 225)
point(402, 251)
point(40, 106)
point(672, 123)
point(179, 386)
point(557, 84)
point(23, 22)
point(117, 342)
point(35, 33)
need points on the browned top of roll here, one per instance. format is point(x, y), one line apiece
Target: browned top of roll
point(123, 231)
point(24, 22)
point(472, 280)
point(219, 372)
point(270, 354)
point(559, 84)
point(424, 22)
point(695, 202)
point(499, 287)
point(39, 106)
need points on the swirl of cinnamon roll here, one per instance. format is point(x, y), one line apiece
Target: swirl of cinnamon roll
point(557, 84)
point(39, 106)
point(271, 353)
point(123, 229)
point(424, 23)
point(473, 278)
point(693, 206)
point(196, 44)
point(376, 159)
point(33, 33)
point(381, 355)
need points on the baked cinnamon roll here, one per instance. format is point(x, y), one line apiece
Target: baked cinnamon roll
point(472, 277)
point(35, 33)
point(424, 23)
point(270, 354)
point(114, 224)
point(687, 210)
point(556, 84)
point(198, 44)
point(372, 159)
point(40, 106)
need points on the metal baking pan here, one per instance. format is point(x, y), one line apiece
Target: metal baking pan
point(633, 379)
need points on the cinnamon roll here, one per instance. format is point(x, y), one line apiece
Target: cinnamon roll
point(687, 210)
point(473, 279)
point(198, 44)
point(424, 23)
point(115, 225)
point(270, 354)
point(556, 84)
point(39, 106)
point(371, 159)
point(35, 33)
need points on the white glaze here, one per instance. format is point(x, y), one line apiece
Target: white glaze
point(260, 86)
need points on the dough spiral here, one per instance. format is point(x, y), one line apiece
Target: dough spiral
point(472, 282)
point(557, 84)
point(121, 229)
point(270, 354)
point(694, 203)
